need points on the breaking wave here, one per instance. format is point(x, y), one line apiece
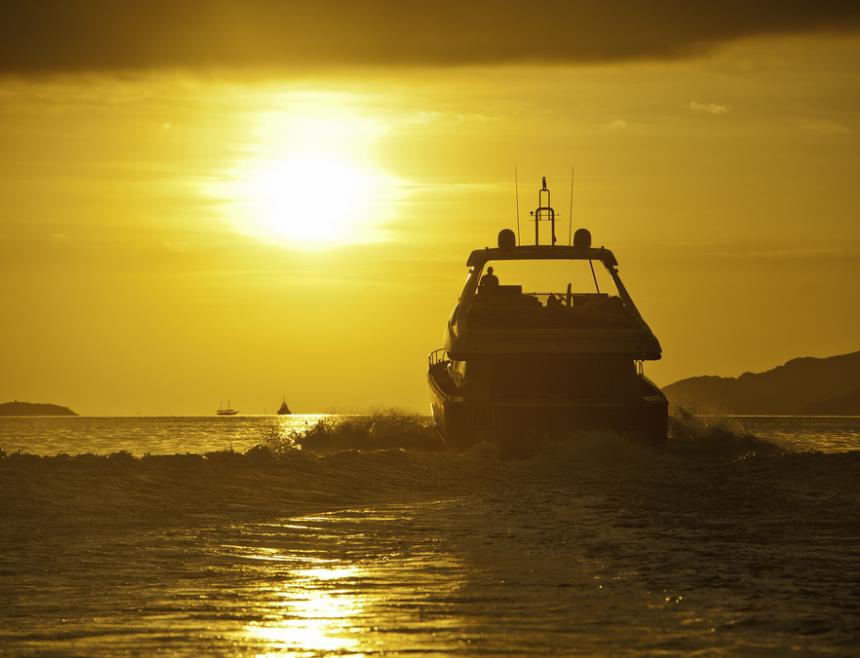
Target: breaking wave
point(380, 431)
point(696, 438)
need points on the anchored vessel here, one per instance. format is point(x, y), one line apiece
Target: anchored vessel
point(226, 411)
point(537, 344)
point(284, 410)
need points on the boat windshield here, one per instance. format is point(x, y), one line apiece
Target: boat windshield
point(548, 293)
point(544, 278)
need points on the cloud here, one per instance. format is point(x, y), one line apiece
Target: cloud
point(59, 36)
point(787, 254)
point(824, 127)
point(710, 108)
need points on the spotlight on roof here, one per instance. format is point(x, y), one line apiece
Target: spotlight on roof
point(507, 239)
point(581, 239)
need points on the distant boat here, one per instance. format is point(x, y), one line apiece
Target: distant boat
point(226, 411)
point(284, 410)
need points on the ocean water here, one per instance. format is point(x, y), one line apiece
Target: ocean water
point(741, 539)
point(141, 435)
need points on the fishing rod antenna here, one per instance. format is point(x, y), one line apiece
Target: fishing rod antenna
point(517, 197)
point(570, 209)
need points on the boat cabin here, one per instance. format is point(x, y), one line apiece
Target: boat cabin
point(547, 299)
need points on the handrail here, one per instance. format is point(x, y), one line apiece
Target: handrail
point(640, 370)
point(436, 357)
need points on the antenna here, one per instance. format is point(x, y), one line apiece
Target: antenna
point(570, 211)
point(517, 193)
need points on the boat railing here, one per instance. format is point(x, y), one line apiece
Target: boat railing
point(640, 370)
point(566, 298)
point(436, 357)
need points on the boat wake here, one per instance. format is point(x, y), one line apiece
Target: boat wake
point(383, 457)
point(690, 438)
point(379, 431)
point(696, 438)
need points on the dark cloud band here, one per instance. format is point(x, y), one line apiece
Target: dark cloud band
point(47, 36)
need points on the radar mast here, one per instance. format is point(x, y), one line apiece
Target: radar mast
point(544, 212)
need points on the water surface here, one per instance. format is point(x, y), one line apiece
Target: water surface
point(590, 548)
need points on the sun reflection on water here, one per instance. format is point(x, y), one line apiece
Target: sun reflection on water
point(319, 607)
point(350, 582)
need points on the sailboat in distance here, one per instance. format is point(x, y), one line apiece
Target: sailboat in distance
point(226, 411)
point(284, 410)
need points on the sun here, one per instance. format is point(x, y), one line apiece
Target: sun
point(313, 198)
point(311, 180)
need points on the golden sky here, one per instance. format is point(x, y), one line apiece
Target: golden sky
point(191, 215)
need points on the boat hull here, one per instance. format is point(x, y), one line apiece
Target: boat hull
point(518, 426)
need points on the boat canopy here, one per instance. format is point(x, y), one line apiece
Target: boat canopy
point(541, 252)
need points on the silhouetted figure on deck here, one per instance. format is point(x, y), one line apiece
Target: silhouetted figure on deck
point(489, 282)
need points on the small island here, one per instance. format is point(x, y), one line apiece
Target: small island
point(16, 408)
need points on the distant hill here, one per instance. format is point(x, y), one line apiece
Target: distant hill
point(801, 386)
point(33, 409)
